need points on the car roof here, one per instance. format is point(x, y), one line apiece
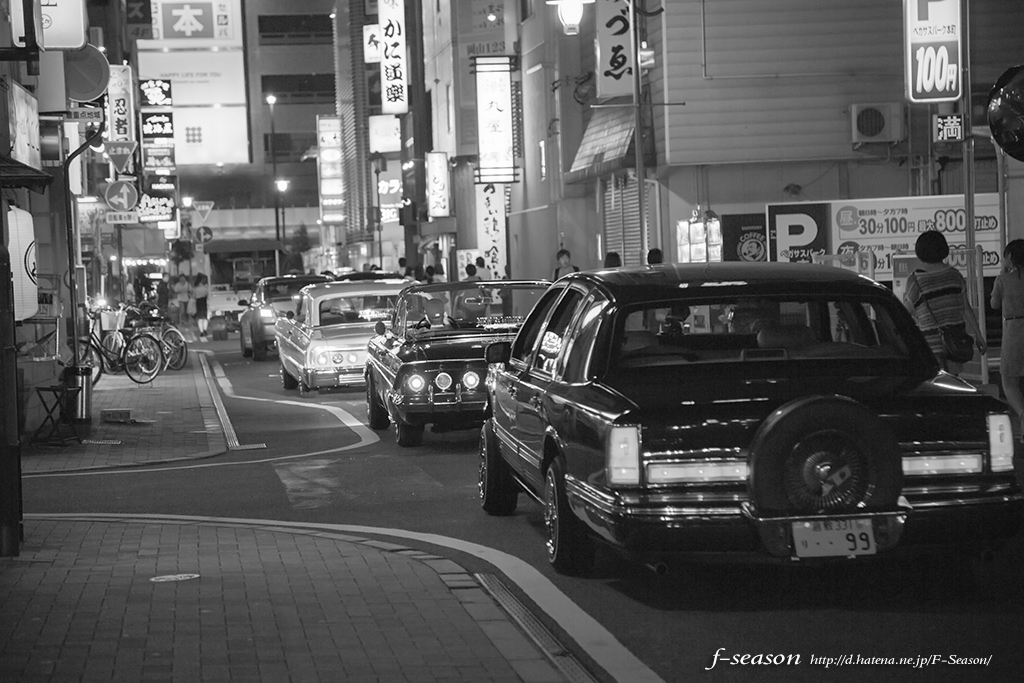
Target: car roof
point(280, 279)
point(473, 284)
point(664, 281)
point(355, 288)
point(367, 275)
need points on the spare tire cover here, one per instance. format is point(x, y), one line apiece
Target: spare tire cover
point(824, 455)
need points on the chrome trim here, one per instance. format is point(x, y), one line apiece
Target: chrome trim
point(727, 454)
point(922, 448)
point(1001, 498)
point(610, 505)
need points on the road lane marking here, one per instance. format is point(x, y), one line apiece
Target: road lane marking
point(597, 641)
point(222, 414)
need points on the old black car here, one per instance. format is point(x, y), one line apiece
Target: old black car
point(788, 412)
point(428, 366)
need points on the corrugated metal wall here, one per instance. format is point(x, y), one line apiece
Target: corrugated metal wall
point(621, 209)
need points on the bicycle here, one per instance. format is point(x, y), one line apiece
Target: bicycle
point(149, 318)
point(139, 354)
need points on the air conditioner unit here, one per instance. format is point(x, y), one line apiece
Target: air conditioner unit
point(882, 122)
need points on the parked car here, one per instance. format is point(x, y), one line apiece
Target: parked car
point(790, 412)
point(369, 275)
point(322, 342)
point(428, 367)
point(270, 299)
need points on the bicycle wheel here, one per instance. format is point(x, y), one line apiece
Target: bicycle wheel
point(175, 348)
point(113, 350)
point(143, 358)
point(91, 357)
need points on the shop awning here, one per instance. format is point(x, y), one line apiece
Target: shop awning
point(16, 174)
point(242, 245)
point(606, 144)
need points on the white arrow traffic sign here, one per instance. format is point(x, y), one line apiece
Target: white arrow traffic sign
point(121, 195)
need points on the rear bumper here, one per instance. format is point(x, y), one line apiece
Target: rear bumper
point(334, 378)
point(660, 532)
point(455, 409)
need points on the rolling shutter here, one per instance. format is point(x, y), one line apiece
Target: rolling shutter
point(622, 230)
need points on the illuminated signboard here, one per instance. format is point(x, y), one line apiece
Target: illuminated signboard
point(156, 92)
point(121, 103)
point(494, 120)
point(157, 203)
point(211, 135)
point(490, 229)
point(394, 67)
point(328, 167)
point(385, 133)
point(371, 44)
point(195, 24)
point(438, 190)
point(157, 158)
point(64, 23)
point(614, 54)
point(199, 77)
point(158, 127)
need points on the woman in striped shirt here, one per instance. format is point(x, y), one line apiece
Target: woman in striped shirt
point(937, 296)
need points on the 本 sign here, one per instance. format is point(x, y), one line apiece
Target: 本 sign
point(932, 41)
point(394, 77)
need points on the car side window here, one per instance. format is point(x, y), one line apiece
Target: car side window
point(580, 346)
point(300, 310)
point(554, 337)
point(527, 337)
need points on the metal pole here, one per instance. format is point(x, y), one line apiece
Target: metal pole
point(638, 130)
point(379, 219)
point(120, 260)
point(277, 195)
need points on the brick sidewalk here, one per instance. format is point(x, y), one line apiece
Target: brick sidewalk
point(109, 601)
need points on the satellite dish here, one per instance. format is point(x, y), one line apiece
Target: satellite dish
point(86, 73)
point(1005, 112)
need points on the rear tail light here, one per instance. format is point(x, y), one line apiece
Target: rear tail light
point(1000, 443)
point(622, 456)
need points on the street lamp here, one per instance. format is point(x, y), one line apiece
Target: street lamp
point(272, 100)
point(380, 164)
point(570, 12)
point(282, 187)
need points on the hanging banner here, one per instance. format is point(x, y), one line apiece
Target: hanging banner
point(121, 103)
point(22, 249)
point(64, 23)
point(329, 169)
point(884, 227)
point(394, 67)
point(139, 19)
point(438, 191)
point(494, 120)
point(490, 230)
point(613, 51)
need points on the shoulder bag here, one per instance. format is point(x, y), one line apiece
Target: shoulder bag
point(957, 345)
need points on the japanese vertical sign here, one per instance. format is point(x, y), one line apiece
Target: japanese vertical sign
point(394, 77)
point(328, 167)
point(139, 19)
point(494, 120)
point(615, 59)
point(121, 103)
point(490, 232)
point(932, 42)
point(438, 193)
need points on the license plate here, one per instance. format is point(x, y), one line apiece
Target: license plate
point(834, 538)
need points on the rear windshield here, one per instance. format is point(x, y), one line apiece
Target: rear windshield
point(280, 291)
point(472, 306)
point(341, 310)
point(763, 328)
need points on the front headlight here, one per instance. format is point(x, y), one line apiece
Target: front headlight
point(443, 381)
point(1000, 443)
point(416, 383)
point(622, 456)
point(322, 358)
point(471, 380)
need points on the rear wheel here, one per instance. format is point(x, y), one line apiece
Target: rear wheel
point(287, 381)
point(175, 348)
point(570, 550)
point(377, 416)
point(246, 351)
point(143, 358)
point(259, 351)
point(408, 435)
point(113, 347)
point(499, 493)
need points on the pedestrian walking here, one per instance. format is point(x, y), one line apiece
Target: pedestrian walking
point(182, 294)
point(937, 297)
point(471, 273)
point(565, 265)
point(200, 293)
point(612, 260)
point(1008, 297)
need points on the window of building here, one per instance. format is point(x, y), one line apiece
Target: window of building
point(295, 29)
point(287, 147)
point(299, 88)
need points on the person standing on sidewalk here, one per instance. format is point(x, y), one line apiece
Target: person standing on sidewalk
point(1008, 297)
point(200, 292)
point(163, 293)
point(182, 293)
point(565, 265)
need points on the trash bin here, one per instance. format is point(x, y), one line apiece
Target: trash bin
point(80, 376)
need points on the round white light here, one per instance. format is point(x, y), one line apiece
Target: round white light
point(352, 358)
point(471, 380)
point(443, 381)
point(323, 359)
point(416, 383)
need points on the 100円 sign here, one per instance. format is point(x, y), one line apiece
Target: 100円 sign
point(932, 43)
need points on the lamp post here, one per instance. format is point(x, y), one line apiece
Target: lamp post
point(380, 164)
point(570, 13)
point(272, 100)
point(282, 186)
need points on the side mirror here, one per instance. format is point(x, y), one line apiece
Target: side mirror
point(498, 352)
point(380, 328)
point(290, 315)
point(244, 303)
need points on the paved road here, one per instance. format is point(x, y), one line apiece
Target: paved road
point(321, 468)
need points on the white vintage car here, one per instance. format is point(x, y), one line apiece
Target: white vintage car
point(322, 343)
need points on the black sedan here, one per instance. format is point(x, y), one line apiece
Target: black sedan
point(784, 412)
point(273, 297)
point(427, 366)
